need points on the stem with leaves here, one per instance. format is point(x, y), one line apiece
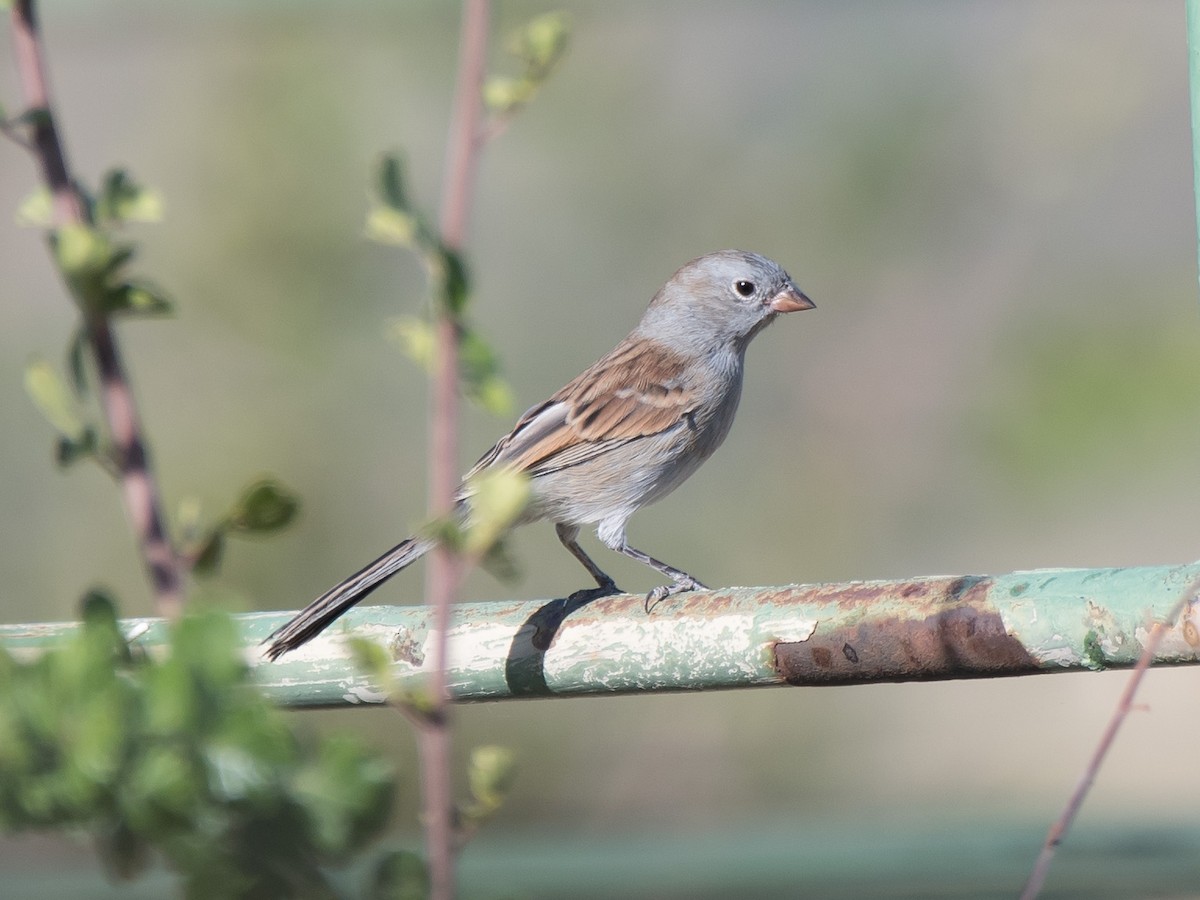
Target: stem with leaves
point(462, 154)
point(459, 360)
point(73, 230)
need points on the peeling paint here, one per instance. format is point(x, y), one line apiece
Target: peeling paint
point(356, 693)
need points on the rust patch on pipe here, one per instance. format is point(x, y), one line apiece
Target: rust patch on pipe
point(407, 649)
point(959, 635)
point(956, 643)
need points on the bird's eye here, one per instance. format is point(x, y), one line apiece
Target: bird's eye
point(744, 288)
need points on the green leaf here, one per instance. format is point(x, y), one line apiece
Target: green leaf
point(68, 451)
point(490, 774)
point(207, 559)
point(36, 210)
point(499, 562)
point(371, 659)
point(136, 298)
point(123, 200)
point(348, 791)
point(543, 42)
point(387, 225)
point(89, 261)
point(480, 369)
point(390, 182)
point(99, 612)
point(446, 531)
point(540, 46)
point(164, 786)
point(83, 252)
point(392, 219)
point(266, 506)
point(399, 875)
point(502, 94)
point(415, 338)
point(54, 399)
point(207, 643)
point(76, 362)
point(498, 497)
point(452, 283)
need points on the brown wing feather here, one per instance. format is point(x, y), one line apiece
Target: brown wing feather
point(632, 392)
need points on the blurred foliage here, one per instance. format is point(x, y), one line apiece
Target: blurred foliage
point(60, 406)
point(393, 220)
point(93, 264)
point(1093, 400)
point(119, 201)
point(490, 776)
point(491, 769)
point(264, 508)
point(498, 498)
point(539, 46)
point(182, 758)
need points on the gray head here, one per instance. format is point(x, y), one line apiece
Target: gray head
point(721, 300)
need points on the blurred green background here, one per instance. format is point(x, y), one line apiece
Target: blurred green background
point(991, 204)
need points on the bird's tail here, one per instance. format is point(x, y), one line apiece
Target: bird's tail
point(318, 615)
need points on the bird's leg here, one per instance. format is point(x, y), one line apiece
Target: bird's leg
point(606, 587)
point(681, 581)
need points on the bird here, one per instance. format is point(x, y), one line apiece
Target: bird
point(623, 434)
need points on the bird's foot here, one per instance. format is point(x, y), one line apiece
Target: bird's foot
point(681, 585)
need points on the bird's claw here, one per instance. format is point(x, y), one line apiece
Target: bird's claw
point(678, 586)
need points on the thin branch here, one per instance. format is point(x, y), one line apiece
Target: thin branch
point(51, 157)
point(138, 486)
point(445, 569)
point(1058, 831)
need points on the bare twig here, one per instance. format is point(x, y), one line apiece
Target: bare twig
point(445, 570)
point(138, 485)
point(1058, 831)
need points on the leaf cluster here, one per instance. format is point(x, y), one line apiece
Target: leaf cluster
point(491, 768)
point(539, 47)
point(94, 265)
point(183, 759)
point(394, 220)
point(91, 260)
point(498, 499)
point(264, 508)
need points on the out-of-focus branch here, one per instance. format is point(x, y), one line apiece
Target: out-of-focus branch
point(445, 569)
point(138, 486)
point(48, 149)
point(1058, 831)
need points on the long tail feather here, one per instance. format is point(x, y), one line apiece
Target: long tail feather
point(318, 615)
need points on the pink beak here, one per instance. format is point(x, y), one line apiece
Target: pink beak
point(790, 300)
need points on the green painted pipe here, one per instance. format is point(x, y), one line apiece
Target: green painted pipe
point(1048, 620)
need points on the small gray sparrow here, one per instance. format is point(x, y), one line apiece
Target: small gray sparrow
point(624, 433)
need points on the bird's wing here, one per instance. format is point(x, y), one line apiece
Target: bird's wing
point(635, 391)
